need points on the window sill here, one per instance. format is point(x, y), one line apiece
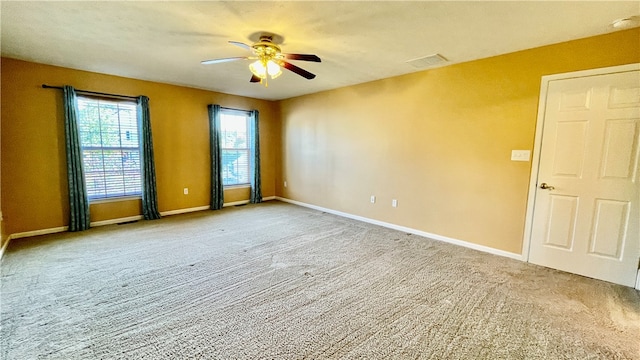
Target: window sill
point(239, 186)
point(109, 200)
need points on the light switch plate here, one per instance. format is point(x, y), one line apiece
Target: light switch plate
point(520, 155)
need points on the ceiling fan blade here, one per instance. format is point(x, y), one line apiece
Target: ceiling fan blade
point(254, 79)
point(242, 45)
point(303, 57)
point(302, 72)
point(217, 61)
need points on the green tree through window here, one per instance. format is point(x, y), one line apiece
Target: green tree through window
point(110, 144)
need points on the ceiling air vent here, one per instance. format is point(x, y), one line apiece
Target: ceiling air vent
point(427, 61)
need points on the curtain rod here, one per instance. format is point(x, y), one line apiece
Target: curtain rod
point(44, 86)
point(234, 109)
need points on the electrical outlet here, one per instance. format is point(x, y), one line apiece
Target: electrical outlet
point(185, 191)
point(373, 199)
point(394, 203)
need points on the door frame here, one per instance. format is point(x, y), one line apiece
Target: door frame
point(535, 159)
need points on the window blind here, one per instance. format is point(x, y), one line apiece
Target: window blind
point(234, 127)
point(110, 143)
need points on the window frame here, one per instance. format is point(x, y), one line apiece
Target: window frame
point(247, 118)
point(122, 196)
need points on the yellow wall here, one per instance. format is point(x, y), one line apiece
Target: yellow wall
point(438, 141)
point(34, 186)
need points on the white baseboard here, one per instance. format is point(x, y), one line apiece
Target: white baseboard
point(446, 239)
point(4, 246)
point(244, 202)
point(184, 211)
point(65, 228)
point(116, 221)
point(206, 207)
point(38, 232)
point(235, 203)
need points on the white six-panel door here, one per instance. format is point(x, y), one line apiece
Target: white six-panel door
point(586, 217)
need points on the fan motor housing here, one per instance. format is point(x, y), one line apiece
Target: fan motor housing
point(265, 48)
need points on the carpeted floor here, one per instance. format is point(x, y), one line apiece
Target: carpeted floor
point(277, 281)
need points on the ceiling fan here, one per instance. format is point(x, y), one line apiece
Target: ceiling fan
point(269, 60)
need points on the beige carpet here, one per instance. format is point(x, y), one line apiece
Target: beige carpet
point(277, 281)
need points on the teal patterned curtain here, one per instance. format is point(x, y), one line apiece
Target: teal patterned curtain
point(254, 159)
point(149, 190)
point(215, 140)
point(78, 200)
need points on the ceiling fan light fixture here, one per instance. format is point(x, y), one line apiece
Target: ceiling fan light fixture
point(273, 69)
point(258, 69)
point(268, 60)
point(262, 69)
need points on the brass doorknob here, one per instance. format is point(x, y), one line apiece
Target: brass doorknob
point(546, 186)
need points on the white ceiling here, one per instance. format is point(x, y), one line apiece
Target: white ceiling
point(357, 41)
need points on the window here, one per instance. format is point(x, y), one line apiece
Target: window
point(108, 131)
point(234, 126)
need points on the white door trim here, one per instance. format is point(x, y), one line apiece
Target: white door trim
point(533, 180)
